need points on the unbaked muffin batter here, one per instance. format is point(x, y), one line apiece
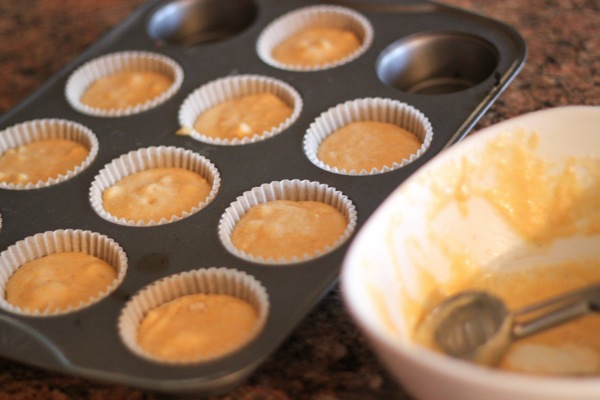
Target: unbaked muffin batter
point(245, 116)
point(126, 89)
point(284, 228)
point(197, 327)
point(367, 145)
point(41, 160)
point(59, 281)
point(156, 193)
point(316, 46)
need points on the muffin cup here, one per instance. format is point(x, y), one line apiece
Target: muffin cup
point(313, 17)
point(148, 158)
point(223, 89)
point(110, 64)
point(208, 281)
point(51, 242)
point(367, 109)
point(45, 129)
point(295, 190)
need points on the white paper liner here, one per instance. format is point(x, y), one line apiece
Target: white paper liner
point(208, 281)
point(313, 17)
point(45, 129)
point(367, 109)
point(295, 190)
point(148, 158)
point(51, 242)
point(110, 64)
point(227, 88)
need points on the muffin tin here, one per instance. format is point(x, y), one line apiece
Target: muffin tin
point(447, 63)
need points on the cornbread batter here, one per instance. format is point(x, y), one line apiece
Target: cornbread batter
point(367, 145)
point(58, 281)
point(41, 160)
point(245, 116)
point(156, 193)
point(316, 46)
point(197, 327)
point(126, 89)
point(542, 202)
point(284, 228)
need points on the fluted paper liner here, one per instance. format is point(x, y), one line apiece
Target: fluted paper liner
point(51, 242)
point(367, 109)
point(212, 280)
point(110, 64)
point(148, 158)
point(295, 190)
point(223, 89)
point(314, 17)
point(46, 129)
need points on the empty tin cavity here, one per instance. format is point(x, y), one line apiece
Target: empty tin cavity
point(437, 62)
point(191, 22)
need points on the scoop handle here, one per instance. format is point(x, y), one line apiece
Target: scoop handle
point(559, 309)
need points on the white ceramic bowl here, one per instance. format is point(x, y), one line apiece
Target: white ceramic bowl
point(401, 255)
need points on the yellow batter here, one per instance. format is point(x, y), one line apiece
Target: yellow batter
point(367, 145)
point(245, 116)
point(41, 160)
point(316, 46)
point(59, 280)
point(197, 327)
point(542, 202)
point(126, 89)
point(284, 228)
point(156, 193)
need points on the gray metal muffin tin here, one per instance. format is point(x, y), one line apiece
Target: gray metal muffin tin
point(457, 62)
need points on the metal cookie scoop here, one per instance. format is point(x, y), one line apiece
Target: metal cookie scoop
point(477, 326)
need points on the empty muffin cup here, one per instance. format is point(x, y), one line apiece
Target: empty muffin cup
point(124, 83)
point(90, 268)
point(315, 38)
point(179, 184)
point(189, 23)
point(410, 136)
point(236, 304)
point(281, 226)
point(250, 98)
point(435, 63)
point(44, 152)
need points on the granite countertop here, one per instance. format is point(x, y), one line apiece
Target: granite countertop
point(326, 358)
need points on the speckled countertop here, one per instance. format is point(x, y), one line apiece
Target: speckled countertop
point(326, 358)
